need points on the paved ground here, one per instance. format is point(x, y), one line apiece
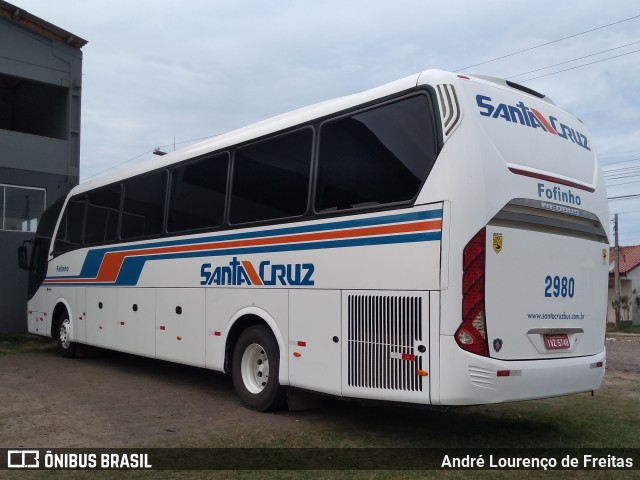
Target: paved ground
point(120, 400)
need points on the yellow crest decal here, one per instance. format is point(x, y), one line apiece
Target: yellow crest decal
point(604, 253)
point(497, 242)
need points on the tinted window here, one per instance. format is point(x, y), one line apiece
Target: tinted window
point(271, 178)
point(70, 230)
point(197, 194)
point(143, 207)
point(103, 207)
point(375, 157)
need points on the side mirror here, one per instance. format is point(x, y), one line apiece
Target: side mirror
point(23, 257)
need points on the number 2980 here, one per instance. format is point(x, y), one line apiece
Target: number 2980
point(559, 286)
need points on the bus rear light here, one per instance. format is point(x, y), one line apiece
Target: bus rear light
point(472, 334)
point(422, 373)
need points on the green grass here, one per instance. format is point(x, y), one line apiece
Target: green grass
point(625, 327)
point(11, 344)
point(610, 419)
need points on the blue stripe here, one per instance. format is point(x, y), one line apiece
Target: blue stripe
point(94, 258)
point(132, 266)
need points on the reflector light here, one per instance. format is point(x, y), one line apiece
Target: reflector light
point(217, 334)
point(504, 373)
point(121, 323)
point(422, 373)
point(178, 338)
point(302, 344)
point(297, 354)
point(408, 356)
point(162, 328)
point(463, 77)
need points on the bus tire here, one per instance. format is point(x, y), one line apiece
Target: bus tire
point(65, 346)
point(255, 367)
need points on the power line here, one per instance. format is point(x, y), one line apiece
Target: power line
point(579, 66)
point(625, 183)
point(117, 165)
point(148, 152)
point(619, 153)
point(549, 43)
point(623, 197)
point(573, 60)
point(621, 161)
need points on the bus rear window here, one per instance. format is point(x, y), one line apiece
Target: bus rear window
point(375, 157)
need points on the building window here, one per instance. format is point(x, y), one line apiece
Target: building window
point(21, 207)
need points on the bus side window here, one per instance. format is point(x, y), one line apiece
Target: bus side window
point(375, 157)
point(71, 225)
point(198, 192)
point(143, 206)
point(271, 178)
point(103, 208)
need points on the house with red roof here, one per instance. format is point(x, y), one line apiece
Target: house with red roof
point(629, 259)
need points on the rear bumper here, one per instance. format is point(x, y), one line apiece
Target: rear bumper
point(468, 379)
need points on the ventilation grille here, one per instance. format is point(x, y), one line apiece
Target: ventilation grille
point(381, 336)
point(449, 109)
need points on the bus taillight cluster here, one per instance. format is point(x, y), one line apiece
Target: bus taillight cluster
point(471, 335)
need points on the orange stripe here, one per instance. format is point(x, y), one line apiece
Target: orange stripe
point(253, 275)
point(112, 262)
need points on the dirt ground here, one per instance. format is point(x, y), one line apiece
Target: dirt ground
point(118, 400)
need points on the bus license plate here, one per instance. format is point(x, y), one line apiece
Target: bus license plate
point(556, 341)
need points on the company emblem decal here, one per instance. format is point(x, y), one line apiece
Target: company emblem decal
point(243, 272)
point(497, 242)
point(532, 118)
point(497, 344)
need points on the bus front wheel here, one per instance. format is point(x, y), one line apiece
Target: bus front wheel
point(65, 346)
point(255, 367)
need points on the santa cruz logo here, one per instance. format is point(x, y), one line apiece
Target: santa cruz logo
point(530, 117)
point(243, 272)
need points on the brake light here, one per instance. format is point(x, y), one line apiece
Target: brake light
point(472, 334)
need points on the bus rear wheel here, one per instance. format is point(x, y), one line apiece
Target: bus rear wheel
point(65, 346)
point(255, 367)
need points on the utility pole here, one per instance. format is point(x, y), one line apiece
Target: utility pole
point(616, 271)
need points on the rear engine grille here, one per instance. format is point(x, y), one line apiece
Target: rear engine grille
point(382, 331)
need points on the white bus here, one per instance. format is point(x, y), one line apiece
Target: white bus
point(440, 240)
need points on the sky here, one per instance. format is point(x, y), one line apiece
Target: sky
point(157, 72)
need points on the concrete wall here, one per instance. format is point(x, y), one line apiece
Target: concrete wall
point(41, 82)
